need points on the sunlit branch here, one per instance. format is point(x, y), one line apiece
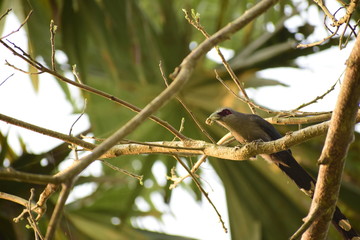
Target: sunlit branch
point(195, 21)
point(27, 58)
point(66, 138)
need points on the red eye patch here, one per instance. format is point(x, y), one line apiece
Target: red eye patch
point(225, 112)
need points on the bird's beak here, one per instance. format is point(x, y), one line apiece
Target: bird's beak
point(213, 117)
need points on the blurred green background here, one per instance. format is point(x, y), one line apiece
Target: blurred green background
point(117, 47)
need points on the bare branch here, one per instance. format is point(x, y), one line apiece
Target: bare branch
point(349, 11)
point(186, 108)
point(26, 57)
point(181, 76)
point(21, 70)
point(239, 97)
point(21, 25)
point(138, 177)
point(48, 132)
point(317, 98)
point(10, 174)
point(53, 28)
point(307, 223)
point(194, 178)
point(350, 8)
point(14, 199)
point(6, 13)
point(195, 21)
point(339, 137)
point(320, 117)
point(200, 161)
point(318, 42)
point(57, 214)
point(6, 79)
point(193, 147)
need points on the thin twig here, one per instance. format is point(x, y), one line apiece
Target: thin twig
point(6, 13)
point(21, 201)
point(78, 118)
point(87, 88)
point(23, 55)
point(350, 8)
point(349, 11)
point(73, 146)
point(21, 25)
point(53, 29)
point(186, 107)
point(307, 223)
point(181, 75)
point(6, 79)
point(21, 70)
point(320, 3)
point(341, 45)
point(239, 97)
point(318, 42)
point(197, 183)
point(31, 219)
point(197, 165)
point(138, 177)
point(195, 21)
point(317, 98)
point(76, 74)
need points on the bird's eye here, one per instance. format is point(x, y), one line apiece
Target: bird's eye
point(225, 112)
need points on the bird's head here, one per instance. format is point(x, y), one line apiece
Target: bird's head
point(220, 116)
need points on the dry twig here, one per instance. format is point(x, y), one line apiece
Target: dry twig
point(186, 108)
point(21, 25)
point(42, 69)
point(195, 21)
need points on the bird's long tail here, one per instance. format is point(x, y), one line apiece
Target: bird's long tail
point(286, 162)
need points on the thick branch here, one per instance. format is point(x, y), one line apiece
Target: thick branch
point(10, 174)
point(340, 135)
point(58, 210)
point(192, 147)
point(299, 119)
point(181, 75)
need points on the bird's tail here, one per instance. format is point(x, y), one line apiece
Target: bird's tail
point(306, 183)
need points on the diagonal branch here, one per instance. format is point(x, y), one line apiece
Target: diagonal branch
point(21, 25)
point(42, 69)
point(338, 140)
point(181, 76)
point(57, 214)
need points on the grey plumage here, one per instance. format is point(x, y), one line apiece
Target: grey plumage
point(251, 127)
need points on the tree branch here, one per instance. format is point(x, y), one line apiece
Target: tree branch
point(193, 147)
point(48, 132)
point(185, 148)
point(181, 76)
point(57, 214)
point(339, 137)
point(42, 69)
point(10, 174)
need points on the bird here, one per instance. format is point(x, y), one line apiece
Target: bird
point(247, 128)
